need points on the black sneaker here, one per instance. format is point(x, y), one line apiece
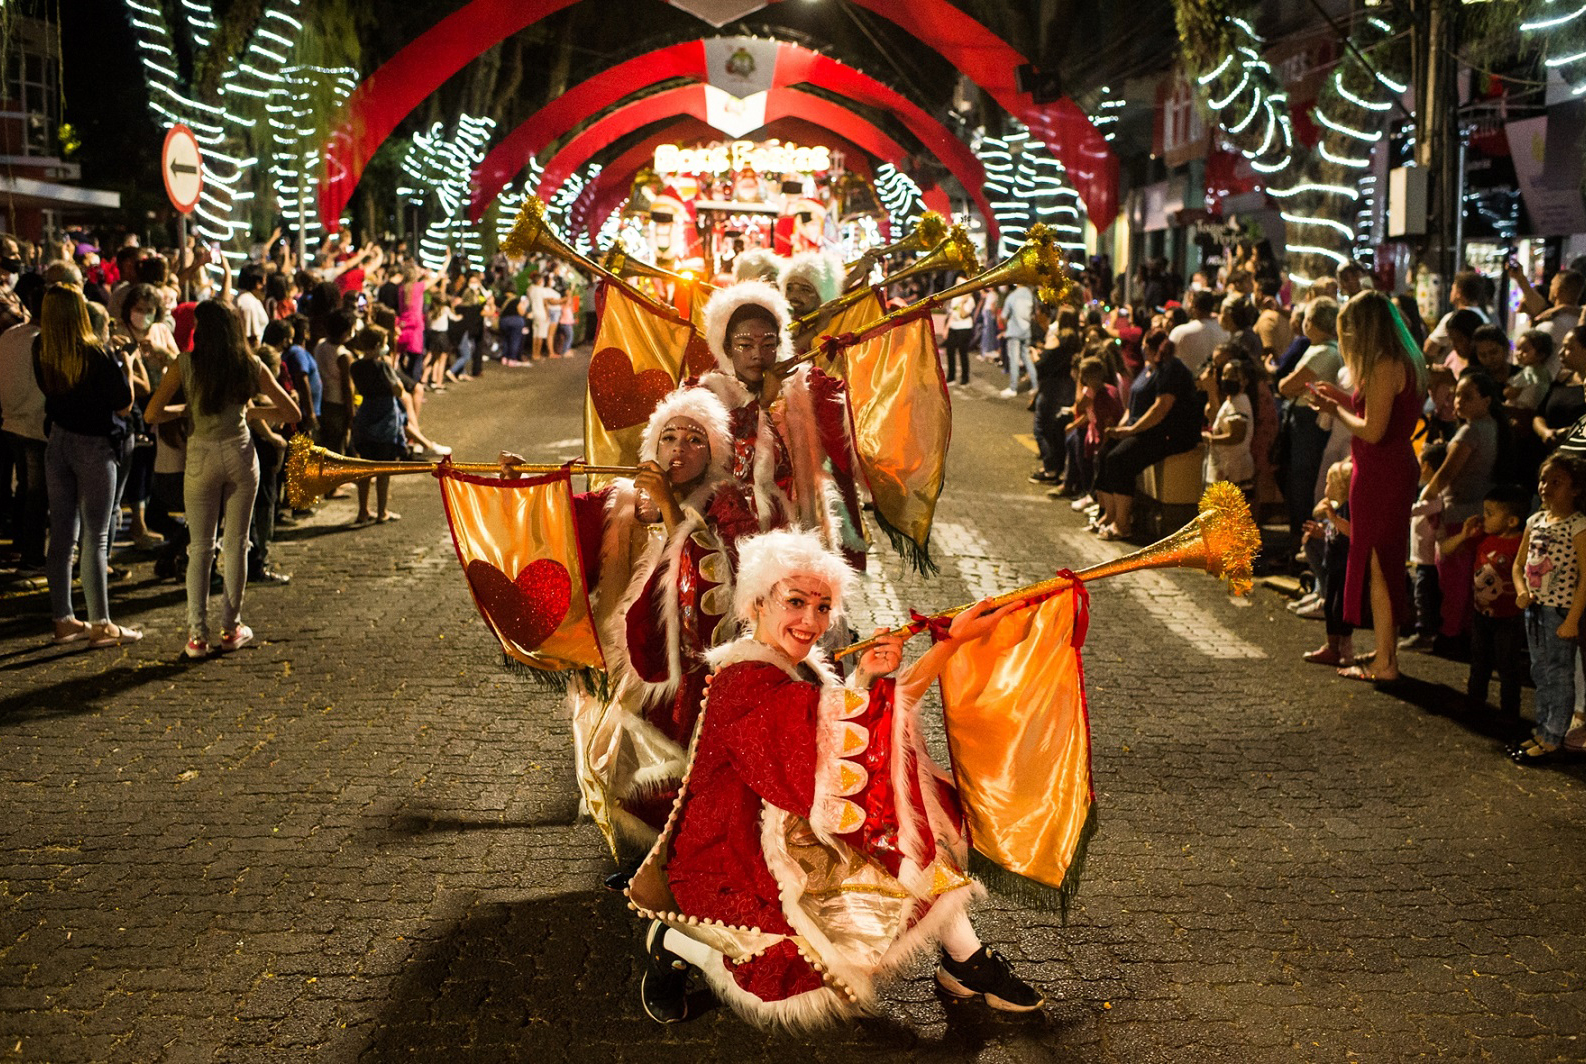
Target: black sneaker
point(663, 989)
point(1042, 476)
point(987, 973)
point(269, 576)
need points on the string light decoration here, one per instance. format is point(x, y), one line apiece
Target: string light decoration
point(1332, 204)
point(1248, 101)
point(438, 167)
point(1108, 109)
point(224, 129)
point(900, 196)
point(504, 211)
point(1025, 184)
point(297, 159)
point(559, 210)
point(1559, 29)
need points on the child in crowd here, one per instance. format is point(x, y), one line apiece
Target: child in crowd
point(377, 427)
point(1332, 526)
point(1228, 455)
point(1426, 521)
point(1547, 574)
point(1497, 635)
point(1096, 410)
point(1529, 384)
point(1478, 457)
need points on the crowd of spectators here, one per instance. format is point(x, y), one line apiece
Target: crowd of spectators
point(148, 397)
point(1409, 465)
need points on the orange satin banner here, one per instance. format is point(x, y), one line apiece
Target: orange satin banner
point(640, 356)
point(903, 424)
point(518, 545)
point(1019, 734)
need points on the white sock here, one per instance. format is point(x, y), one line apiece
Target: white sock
point(691, 950)
point(959, 939)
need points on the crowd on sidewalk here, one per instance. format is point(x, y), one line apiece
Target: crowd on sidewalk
point(1430, 480)
point(147, 398)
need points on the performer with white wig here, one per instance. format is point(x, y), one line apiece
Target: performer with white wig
point(661, 598)
point(757, 264)
point(815, 846)
point(810, 280)
point(746, 329)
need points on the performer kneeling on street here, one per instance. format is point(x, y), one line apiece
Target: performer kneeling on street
point(814, 846)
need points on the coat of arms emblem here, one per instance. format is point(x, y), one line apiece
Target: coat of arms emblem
point(741, 64)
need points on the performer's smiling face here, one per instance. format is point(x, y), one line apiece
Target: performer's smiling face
point(683, 450)
point(795, 615)
point(801, 296)
point(753, 347)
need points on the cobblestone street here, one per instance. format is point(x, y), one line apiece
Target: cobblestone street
point(358, 840)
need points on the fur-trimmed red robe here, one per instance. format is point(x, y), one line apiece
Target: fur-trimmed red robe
point(660, 602)
point(815, 844)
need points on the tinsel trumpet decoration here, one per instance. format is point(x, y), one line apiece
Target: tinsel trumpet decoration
point(531, 235)
point(954, 251)
point(1039, 262)
point(311, 471)
point(1222, 539)
point(929, 231)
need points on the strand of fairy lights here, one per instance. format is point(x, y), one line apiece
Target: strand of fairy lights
point(1025, 185)
point(900, 196)
point(1564, 42)
point(221, 216)
point(1255, 95)
point(439, 166)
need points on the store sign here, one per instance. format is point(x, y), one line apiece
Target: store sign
point(767, 158)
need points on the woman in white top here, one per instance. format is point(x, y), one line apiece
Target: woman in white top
point(220, 378)
point(960, 332)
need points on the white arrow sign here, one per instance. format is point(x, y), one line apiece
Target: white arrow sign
point(182, 167)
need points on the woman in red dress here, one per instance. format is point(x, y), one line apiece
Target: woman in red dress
point(1381, 415)
point(815, 845)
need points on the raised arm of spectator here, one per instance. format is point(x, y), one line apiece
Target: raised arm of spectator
point(1532, 302)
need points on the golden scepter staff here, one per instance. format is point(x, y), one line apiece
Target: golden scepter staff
point(1222, 539)
point(311, 471)
point(1039, 262)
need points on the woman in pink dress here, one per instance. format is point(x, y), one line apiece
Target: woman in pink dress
point(1381, 416)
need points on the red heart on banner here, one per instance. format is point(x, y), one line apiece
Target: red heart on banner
point(623, 398)
point(697, 357)
point(526, 611)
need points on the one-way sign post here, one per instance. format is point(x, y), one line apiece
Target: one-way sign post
point(182, 167)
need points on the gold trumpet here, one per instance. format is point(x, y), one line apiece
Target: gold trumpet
point(1039, 262)
point(531, 235)
point(625, 265)
point(311, 471)
point(1222, 540)
point(929, 231)
point(954, 252)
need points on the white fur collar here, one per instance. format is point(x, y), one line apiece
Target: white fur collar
point(748, 648)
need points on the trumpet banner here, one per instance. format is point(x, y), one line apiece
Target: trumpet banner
point(518, 544)
point(641, 354)
point(903, 424)
point(1019, 733)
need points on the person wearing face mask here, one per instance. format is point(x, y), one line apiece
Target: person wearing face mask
point(816, 845)
point(377, 426)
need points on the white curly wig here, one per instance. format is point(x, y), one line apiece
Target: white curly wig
point(767, 559)
point(701, 406)
point(757, 264)
point(822, 269)
point(727, 301)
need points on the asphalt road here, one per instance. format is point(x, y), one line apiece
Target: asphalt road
point(358, 840)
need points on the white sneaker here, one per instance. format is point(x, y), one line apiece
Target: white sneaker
point(237, 638)
point(1308, 599)
point(1316, 611)
point(1008, 393)
point(1081, 504)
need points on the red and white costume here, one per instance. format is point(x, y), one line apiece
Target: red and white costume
point(815, 845)
point(660, 602)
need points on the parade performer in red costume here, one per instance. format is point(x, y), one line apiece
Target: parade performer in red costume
point(815, 846)
point(746, 329)
point(820, 428)
point(666, 544)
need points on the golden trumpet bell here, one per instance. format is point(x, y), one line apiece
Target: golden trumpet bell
point(928, 232)
point(532, 235)
point(954, 252)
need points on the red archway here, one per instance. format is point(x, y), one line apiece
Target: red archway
point(794, 65)
point(381, 101)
